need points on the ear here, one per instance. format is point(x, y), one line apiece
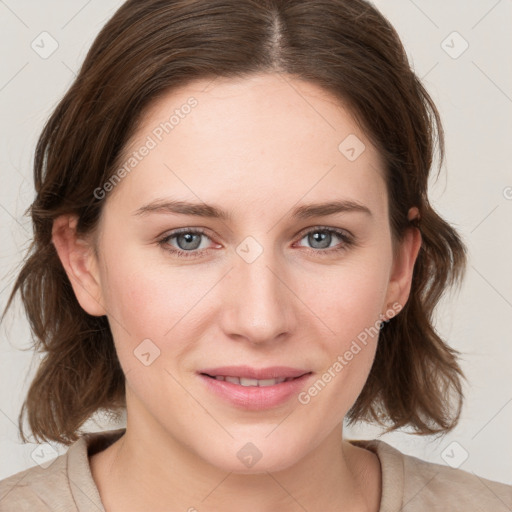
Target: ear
point(80, 263)
point(401, 274)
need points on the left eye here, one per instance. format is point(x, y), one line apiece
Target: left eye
point(322, 238)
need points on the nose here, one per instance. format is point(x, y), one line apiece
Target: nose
point(259, 306)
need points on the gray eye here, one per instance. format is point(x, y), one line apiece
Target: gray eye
point(188, 240)
point(322, 238)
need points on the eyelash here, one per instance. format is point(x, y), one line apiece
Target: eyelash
point(347, 241)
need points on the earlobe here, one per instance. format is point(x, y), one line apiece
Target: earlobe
point(79, 262)
point(401, 278)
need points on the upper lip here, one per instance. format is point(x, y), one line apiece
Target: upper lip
point(247, 372)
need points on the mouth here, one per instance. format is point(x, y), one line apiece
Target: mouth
point(255, 389)
point(248, 376)
point(244, 381)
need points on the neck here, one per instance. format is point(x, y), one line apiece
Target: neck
point(148, 469)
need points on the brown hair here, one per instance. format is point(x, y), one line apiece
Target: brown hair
point(150, 47)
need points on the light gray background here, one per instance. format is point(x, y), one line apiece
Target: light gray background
point(474, 192)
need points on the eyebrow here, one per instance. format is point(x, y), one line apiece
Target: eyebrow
point(306, 211)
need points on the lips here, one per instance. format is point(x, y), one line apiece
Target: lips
point(255, 394)
point(258, 374)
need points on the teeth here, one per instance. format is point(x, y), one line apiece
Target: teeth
point(253, 382)
point(248, 382)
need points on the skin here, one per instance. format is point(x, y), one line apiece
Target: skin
point(256, 147)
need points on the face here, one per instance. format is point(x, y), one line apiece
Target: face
point(271, 281)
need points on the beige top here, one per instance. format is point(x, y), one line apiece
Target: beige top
point(409, 484)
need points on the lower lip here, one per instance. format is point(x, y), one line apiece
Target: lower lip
point(256, 398)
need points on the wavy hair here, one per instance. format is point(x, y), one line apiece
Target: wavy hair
point(150, 47)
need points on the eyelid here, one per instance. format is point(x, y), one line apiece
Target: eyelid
point(339, 231)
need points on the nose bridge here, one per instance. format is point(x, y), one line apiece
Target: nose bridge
point(261, 308)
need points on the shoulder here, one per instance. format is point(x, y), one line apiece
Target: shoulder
point(37, 488)
point(435, 484)
point(431, 486)
point(410, 484)
point(65, 484)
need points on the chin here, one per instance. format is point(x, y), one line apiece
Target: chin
point(254, 457)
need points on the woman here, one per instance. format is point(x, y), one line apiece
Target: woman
point(234, 244)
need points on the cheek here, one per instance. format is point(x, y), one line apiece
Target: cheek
point(150, 302)
point(150, 296)
point(348, 298)
point(349, 302)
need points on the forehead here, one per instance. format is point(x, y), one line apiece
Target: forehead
point(261, 140)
